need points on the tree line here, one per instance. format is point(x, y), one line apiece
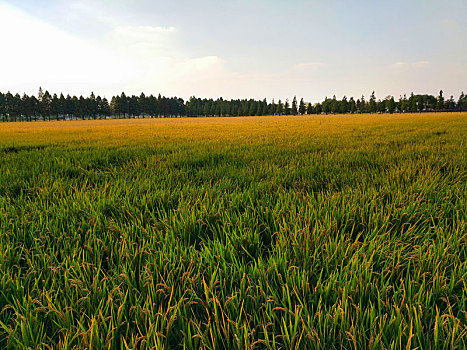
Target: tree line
point(48, 107)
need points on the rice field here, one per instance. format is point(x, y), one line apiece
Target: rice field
point(310, 232)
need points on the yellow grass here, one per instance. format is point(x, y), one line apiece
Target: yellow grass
point(256, 129)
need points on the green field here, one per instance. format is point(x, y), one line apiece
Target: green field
point(303, 232)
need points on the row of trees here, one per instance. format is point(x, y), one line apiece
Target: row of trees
point(161, 106)
point(412, 104)
point(46, 106)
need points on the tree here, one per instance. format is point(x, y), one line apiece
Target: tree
point(252, 107)
point(213, 110)
point(75, 106)
point(46, 102)
point(26, 107)
point(2, 107)
point(133, 106)
point(390, 104)
point(153, 106)
point(259, 108)
point(372, 103)
point(334, 105)
point(450, 104)
point(352, 105)
point(326, 105)
point(69, 106)
point(227, 108)
point(344, 105)
point(361, 105)
point(264, 107)
point(62, 105)
point(240, 110)
point(164, 106)
point(318, 108)
point(123, 105)
point(206, 109)
point(14, 104)
point(412, 103)
point(104, 107)
point(461, 103)
point(280, 108)
point(301, 107)
point(33, 104)
point(91, 107)
point(272, 108)
point(142, 104)
point(8, 105)
point(440, 101)
point(420, 103)
point(294, 110)
point(99, 112)
point(40, 94)
point(287, 107)
point(309, 108)
point(404, 104)
point(114, 105)
point(54, 106)
point(81, 111)
point(218, 105)
point(381, 106)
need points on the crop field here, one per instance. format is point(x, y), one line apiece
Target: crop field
point(307, 232)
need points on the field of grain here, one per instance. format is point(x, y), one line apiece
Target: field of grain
point(231, 233)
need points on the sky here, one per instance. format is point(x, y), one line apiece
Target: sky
point(235, 48)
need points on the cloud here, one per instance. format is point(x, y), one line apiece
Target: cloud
point(307, 66)
point(39, 54)
point(142, 33)
point(143, 44)
point(209, 76)
point(206, 65)
point(419, 64)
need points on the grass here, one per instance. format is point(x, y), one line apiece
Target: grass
point(228, 233)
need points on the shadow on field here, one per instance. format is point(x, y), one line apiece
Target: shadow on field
point(17, 149)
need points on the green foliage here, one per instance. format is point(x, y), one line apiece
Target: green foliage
point(47, 107)
point(294, 109)
point(287, 107)
point(279, 108)
point(302, 107)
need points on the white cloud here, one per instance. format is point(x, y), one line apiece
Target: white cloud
point(141, 33)
point(145, 46)
point(38, 54)
point(209, 76)
point(205, 67)
point(419, 64)
point(128, 58)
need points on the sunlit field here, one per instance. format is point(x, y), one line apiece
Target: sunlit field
point(306, 232)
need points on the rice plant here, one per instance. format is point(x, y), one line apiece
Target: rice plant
point(312, 232)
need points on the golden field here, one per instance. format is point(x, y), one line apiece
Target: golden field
point(257, 129)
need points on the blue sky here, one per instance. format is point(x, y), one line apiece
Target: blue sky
point(238, 48)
